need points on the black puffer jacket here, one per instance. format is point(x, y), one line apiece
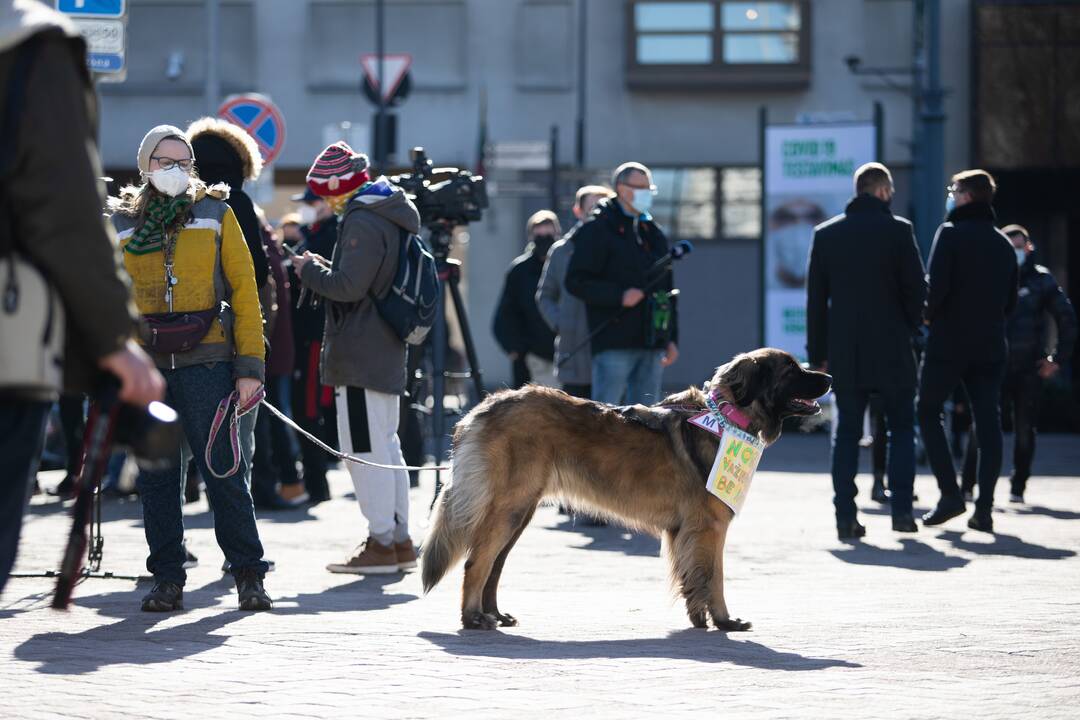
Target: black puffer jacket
point(1039, 294)
point(614, 252)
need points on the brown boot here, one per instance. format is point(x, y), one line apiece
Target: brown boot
point(371, 558)
point(406, 555)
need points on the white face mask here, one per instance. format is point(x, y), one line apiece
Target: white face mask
point(792, 247)
point(643, 198)
point(1021, 256)
point(308, 215)
point(172, 182)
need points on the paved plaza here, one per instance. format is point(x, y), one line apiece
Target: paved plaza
point(945, 623)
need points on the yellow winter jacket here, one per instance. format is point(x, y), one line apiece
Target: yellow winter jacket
point(206, 277)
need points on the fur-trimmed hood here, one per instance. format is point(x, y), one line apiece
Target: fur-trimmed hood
point(216, 141)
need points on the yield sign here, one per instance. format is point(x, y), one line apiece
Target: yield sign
point(394, 69)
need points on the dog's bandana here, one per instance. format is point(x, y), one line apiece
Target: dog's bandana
point(737, 457)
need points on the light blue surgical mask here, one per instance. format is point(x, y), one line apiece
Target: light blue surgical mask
point(950, 204)
point(1021, 256)
point(643, 199)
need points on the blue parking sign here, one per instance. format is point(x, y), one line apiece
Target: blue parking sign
point(92, 8)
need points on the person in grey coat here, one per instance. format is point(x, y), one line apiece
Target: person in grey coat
point(363, 358)
point(564, 313)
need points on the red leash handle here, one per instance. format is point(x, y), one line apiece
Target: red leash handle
point(234, 428)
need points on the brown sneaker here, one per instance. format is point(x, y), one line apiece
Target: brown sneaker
point(294, 494)
point(371, 558)
point(406, 555)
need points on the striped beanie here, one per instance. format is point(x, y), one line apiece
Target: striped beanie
point(339, 170)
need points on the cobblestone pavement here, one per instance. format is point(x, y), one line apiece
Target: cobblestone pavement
point(946, 623)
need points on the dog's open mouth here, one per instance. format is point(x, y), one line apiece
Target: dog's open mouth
point(802, 406)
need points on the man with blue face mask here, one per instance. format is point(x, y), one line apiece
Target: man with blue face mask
point(627, 303)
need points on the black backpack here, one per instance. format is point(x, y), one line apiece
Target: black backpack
point(409, 305)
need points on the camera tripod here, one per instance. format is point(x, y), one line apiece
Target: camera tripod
point(86, 513)
point(435, 348)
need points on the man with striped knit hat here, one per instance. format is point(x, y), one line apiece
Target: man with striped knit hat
point(362, 356)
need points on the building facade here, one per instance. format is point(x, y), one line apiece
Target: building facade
point(679, 86)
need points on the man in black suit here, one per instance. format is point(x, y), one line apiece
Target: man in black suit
point(865, 292)
point(973, 287)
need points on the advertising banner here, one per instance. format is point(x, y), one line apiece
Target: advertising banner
point(808, 173)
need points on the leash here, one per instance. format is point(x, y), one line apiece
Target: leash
point(337, 453)
point(253, 402)
point(234, 428)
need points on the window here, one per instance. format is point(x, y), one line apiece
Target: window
point(708, 203)
point(719, 43)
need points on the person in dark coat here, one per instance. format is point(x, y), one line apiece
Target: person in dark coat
point(1031, 359)
point(973, 288)
point(518, 325)
point(865, 293)
point(312, 402)
point(614, 272)
point(225, 153)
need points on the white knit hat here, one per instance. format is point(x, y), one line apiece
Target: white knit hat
point(156, 135)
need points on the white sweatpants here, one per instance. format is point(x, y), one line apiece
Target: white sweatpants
point(367, 427)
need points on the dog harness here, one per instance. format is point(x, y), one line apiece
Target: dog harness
point(239, 411)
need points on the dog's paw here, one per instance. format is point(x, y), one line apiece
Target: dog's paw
point(479, 621)
point(699, 620)
point(506, 620)
point(732, 624)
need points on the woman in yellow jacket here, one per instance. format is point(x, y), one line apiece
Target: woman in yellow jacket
point(194, 285)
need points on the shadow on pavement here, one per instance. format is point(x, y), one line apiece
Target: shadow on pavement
point(134, 640)
point(914, 555)
point(612, 538)
point(1048, 512)
point(1006, 545)
point(699, 645)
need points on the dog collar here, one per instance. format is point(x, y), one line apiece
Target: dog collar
point(728, 411)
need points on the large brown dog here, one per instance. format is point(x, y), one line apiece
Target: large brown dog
point(644, 466)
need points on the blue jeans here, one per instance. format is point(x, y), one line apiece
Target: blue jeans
point(898, 407)
point(627, 376)
point(22, 431)
point(195, 393)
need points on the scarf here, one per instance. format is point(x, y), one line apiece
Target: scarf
point(337, 203)
point(161, 212)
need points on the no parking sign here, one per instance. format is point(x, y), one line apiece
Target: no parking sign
point(261, 119)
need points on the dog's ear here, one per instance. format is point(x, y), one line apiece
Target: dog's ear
point(745, 377)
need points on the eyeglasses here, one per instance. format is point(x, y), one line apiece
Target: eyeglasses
point(167, 163)
point(640, 187)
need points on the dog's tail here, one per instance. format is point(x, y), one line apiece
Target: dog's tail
point(457, 512)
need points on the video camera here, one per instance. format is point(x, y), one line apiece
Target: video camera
point(445, 196)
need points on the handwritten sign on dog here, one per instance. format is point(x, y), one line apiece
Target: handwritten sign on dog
point(733, 469)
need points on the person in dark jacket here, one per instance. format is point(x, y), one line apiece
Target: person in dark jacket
point(51, 215)
point(973, 288)
point(865, 293)
point(363, 357)
point(312, 402)
point(1031, 359)
point(274, 465)
point(225, 153)
point(519, 328)
point(614, 272)
point(564, 313)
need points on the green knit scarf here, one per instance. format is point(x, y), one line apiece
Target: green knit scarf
point(161, 211)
